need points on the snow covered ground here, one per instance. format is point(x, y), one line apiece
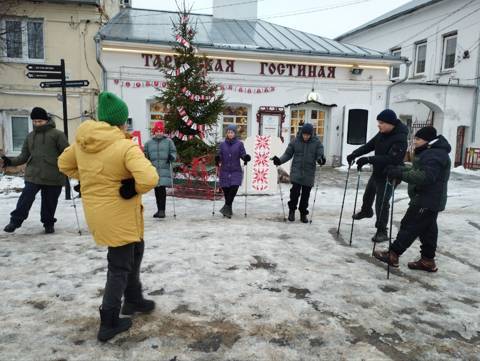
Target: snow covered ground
point(247, 289)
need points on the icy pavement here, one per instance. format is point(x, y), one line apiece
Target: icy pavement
point(247, 289)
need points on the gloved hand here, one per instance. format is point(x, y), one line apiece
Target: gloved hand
point(361, 162)
point(76, 188)
point(322, 160)
point(127, 189)
point(246, 159)
point(350, 159)
point(276, 161)
point(394, 173)
point(6, 161)
point(217, 160)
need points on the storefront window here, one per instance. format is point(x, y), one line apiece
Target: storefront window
point(237, 115)
point(297, 118)
point(157, 113)
point(318, 121)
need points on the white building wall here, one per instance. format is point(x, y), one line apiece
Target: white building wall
point(431, 24)
point(367, 90)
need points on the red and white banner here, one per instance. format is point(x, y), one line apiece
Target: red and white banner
point(261, 164)
point(181, 40)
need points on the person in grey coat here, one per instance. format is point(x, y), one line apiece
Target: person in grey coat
point(161, 151)
point(306, 149)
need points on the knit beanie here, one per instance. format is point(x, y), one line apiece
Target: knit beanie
point(388, 116)
point(112, 109)
point(232, 127)
point(426, 133)
point(307, 128)
point(39, 113)
point(158, 127)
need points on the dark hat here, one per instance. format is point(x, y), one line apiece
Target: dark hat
point(39, 113)
point(232, 127)
point(307, 128)
point(426, 133)
point(388, 116)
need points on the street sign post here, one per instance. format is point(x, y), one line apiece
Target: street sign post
point(45, 71)
point(68, 84)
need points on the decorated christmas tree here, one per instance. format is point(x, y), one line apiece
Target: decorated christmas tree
point(192, 100)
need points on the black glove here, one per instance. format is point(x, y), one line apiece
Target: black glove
point(246, 159)
point(361, 162)
point(6, 161)
point(322, 160)
point(76, 188)
point(127, 189)
point(217, 160)
point(350, 159)
point(394, 173)
point(276, 161)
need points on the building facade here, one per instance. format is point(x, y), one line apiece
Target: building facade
point(274, 78)
point(43, 32)
point(441, 38)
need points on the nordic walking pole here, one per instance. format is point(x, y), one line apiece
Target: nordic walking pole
point(313, 206)
point(381, 210)
point(245, 169)
point(390, 237)
point(281, 196)
point(214, 190)
point(173, 192)
point(343, 201)
point(355, 205)
point(76, 215)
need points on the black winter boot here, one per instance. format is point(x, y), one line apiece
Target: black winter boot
point(10, 227)
point(291, 215)
point(380, 236)
point(363, 214)
point(303, 217)
point(156, 215)
point(111, 324)
point(222, 210)
point(134, 302)
point(49, 229)
point(228, 212)
point(161, 213)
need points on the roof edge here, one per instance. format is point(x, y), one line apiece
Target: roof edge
point(386, 20)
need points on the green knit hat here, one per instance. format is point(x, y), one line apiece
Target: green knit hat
point(112, 109)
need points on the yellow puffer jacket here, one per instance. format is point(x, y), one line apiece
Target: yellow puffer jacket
point(101, 158)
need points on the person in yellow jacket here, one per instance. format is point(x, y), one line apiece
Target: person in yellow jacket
point(113, 173)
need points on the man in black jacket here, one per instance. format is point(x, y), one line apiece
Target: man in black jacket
point(427, 182)
point(390, 146)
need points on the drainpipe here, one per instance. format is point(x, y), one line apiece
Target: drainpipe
point(99, 61)
point(389, 88)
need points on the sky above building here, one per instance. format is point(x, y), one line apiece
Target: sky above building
point(329, 18)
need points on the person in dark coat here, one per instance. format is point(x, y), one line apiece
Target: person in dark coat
point(427, 180)
point(40, 151)
point(161, 151)
point(390, 146)
point(305, 149)
point(231, 174)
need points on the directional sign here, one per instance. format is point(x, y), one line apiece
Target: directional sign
point(44, 75)
point(44, 67)
point(68, 84)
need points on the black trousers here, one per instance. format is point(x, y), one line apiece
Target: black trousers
point(295, 194)
point(123, 275)
point(229, 193)
point(418, 222)
point(161, 197)
point(375, 191)
point(49, 196)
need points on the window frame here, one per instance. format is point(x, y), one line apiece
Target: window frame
point(25, 44)
point(222, 123)
point(418, 45)
point(445, 38)
point(395, 67)
point(9, 130)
